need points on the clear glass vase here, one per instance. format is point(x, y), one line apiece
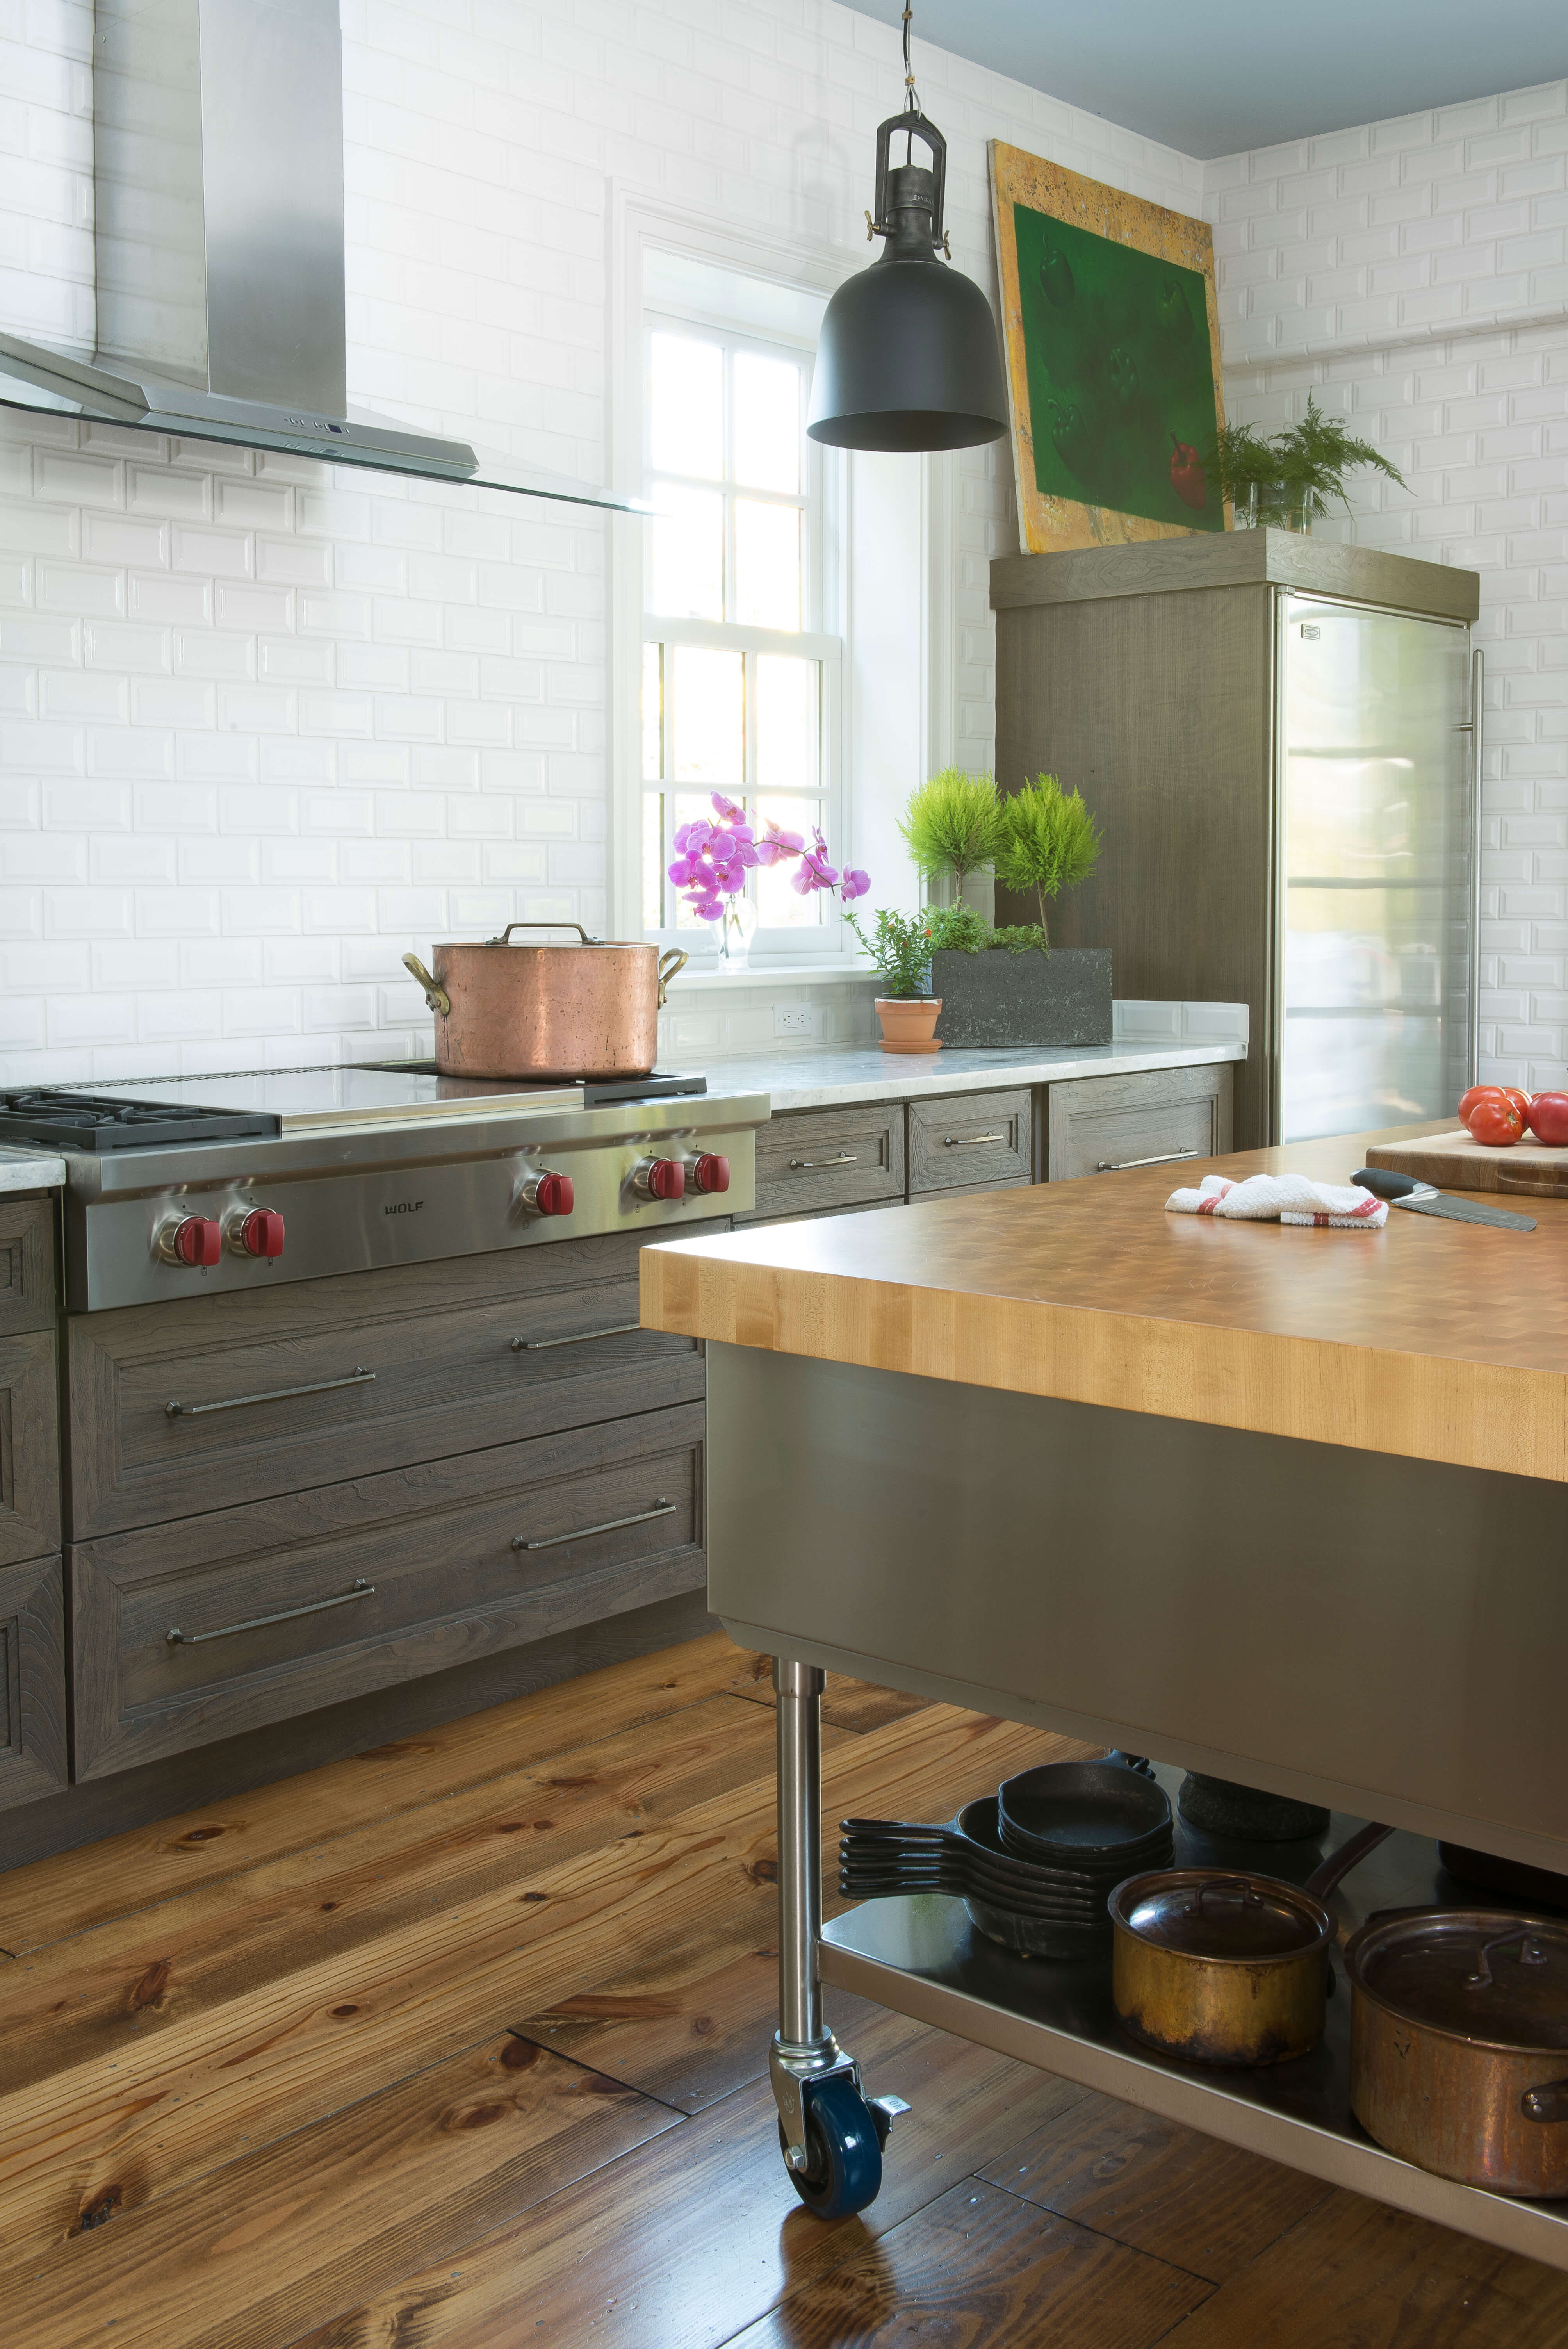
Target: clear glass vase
point(735, 931)
point(1274, 505)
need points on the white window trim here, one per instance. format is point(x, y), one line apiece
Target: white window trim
point(635, 222)
point(822, 603)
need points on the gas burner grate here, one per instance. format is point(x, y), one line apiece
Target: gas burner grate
point(77, 1121)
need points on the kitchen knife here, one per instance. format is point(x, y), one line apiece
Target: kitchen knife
point(1404, 1191)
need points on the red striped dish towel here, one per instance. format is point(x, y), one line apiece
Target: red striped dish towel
point(1283, 1198)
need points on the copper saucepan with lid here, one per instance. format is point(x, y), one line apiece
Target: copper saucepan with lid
point(1224, 1966)
point(1459, 2045)
point(587, 1010)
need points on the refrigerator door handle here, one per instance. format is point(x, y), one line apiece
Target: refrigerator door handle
point(1474, 728)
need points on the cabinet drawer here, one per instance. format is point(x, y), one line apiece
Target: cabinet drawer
point(824, 1214)
point(969, 1139)
point(29, 1448)
point(31, 1681)
point(286, 1606)
point(1103, 1124)
point(814, 1158)
point(27, 1264)
point(177, 1408)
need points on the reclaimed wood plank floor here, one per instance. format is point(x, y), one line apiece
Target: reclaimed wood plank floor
point(463, 2043)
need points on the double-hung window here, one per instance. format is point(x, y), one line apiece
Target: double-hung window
point(740, 676)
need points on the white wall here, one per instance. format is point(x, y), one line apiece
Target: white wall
point(1415, 275)
point(262, 725)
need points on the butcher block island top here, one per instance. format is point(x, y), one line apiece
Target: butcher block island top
point(1436, 1340)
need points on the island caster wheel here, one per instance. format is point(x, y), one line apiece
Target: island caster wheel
point(844, 2151)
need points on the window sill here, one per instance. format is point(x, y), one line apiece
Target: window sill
point(697, 977)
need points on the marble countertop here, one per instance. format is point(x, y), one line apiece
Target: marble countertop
point(30, 1170)
point(841, 1074)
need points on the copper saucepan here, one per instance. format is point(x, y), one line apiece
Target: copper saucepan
point(585, 1010)
point(1218, 1965)
point(1459, 2045)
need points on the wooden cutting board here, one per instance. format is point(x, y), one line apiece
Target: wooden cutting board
point(1457, 1162)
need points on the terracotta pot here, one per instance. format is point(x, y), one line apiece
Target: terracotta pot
point(585, 1011)
point(909, 1022)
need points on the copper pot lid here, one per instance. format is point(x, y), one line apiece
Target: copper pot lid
point(1212, 1912)
point(1479, 1974)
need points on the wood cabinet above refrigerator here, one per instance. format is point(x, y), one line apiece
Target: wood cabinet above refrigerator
point(1221, 703)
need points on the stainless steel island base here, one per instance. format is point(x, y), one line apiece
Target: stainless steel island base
point(1371, 1631)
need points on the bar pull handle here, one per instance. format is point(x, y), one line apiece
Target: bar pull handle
point(358, 1377)
point(661, 1508)
point(362, 1589)
point(582, 1337)
point(969, 1140)
point(814, 1166)
point(1120, 1165)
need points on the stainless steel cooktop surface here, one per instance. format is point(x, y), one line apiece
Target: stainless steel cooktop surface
point(307, 1099)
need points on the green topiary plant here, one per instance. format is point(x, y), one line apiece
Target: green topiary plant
point(1048, 841)
point(953, 824)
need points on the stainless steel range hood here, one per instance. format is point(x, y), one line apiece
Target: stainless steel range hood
point(218, 189)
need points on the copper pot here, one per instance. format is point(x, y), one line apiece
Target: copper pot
point(1220, 1968)
point(585, 1010)
point(1224, 1966)
point(1458, 2045)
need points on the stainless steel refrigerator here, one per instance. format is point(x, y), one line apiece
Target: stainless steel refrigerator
point(1277, 737)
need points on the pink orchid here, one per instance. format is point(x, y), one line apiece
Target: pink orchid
point(713, 859)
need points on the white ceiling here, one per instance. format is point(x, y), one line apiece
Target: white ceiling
point(1212, 76)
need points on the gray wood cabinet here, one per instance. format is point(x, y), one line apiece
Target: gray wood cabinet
point(1101, 1124)
point(190, 1631)
point(27, 1264)
point(814, 1158)
point(33, 1744)
point(970, 1140)
point(192, 1406)
point(29, 1448)
point(31, 1681)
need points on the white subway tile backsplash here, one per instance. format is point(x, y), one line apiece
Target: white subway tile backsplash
point(349, 718)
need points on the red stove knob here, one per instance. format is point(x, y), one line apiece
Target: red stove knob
point(548, 1194)
point(709, 1172)
point(194, 1239)
point(258, 1231)
point(659, 1178)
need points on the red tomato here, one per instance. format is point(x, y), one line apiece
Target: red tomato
point(1521, 1103)
point(1477, 1093)
point(1496, 1122)
point(1548, 1118)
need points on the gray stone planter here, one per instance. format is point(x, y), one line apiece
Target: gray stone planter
point(998, 998)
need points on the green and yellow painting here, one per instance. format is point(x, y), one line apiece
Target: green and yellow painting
point(1112, 347)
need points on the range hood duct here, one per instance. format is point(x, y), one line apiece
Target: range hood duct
point(219, 203)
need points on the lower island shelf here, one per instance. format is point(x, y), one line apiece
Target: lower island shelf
point(920, 1956)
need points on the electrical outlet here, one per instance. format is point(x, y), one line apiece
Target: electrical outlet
point(791, 1019)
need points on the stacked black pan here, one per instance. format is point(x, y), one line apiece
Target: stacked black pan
point(1033, 1864)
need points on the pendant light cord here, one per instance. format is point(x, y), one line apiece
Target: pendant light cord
point(911, 97)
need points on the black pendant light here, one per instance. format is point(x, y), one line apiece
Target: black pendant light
point(907, 357)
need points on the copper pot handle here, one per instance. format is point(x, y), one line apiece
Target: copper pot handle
point(1547, 2104)
point(668, 966)
point(436, 995)
point(582, 933)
